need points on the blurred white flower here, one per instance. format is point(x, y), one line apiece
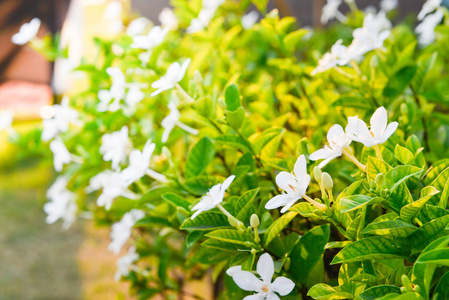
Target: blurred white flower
point(213, 197)
point(6, 119)
point(61, 115)
point(337, 142)
point(338, 56)
point(168, 18)
point(330, 11)
point(113, 13)
point(378, 133)
point(62, 203)
point(428, 7)
point(115, 146)
point(61, 155)
point(121, 231)
point(294, 186)
point(113, 186)
point(388, 5)
point(264, 288)
point(250, 19)
point(139, 163)
point(27, 32)
point(205, 16)
point(125, 263)
point(137, 26)
point(115, 93)
point(148, 41)
point(134, 95)
point(372, 35)
point(175, 73)
point(172, 120)
point(426, 29)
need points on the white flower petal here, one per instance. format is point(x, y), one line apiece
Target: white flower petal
point(247, 281)
point(300, 168)
point(265, 267)
point(225, 185)
point(379, 122)
point(283, 286)
point(284, 179)
point(391, 128)
point(323, 153)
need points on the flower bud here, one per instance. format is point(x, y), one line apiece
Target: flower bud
point(317, 174)
point(254, 221)
point(233, 222)
point(406, 283)
point(248, 244)
point(253, 251)
point(328, 183)
point(379, 179)
point(417, 289)
point(287, 263)
point(372, 185)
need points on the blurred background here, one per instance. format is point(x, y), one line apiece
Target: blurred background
point(40, 261)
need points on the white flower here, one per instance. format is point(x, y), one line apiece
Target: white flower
point(172, 120)
point(426, 29)
point(121, 231)
point(250, 19)
point(124, 263)
point(337, 142)
point(62, 203)
point(148, 41)
point(115, 93)
point(378, 133)
point(175, 73)
point(338, 56)
point(168, 18)
point(113, 13)
point(6, 118)
point(372, 35)
point(115, 146)
point(134, 95)
point(388, 5)
point(139, 162)
point(62, 115)
point(61, 155)
point(264, 288)
point(213, 197)
point(428, 7)
point(294, 186)
point(27, 32)
point(113, 186)
point(330, 11)
point(137, 26)
point(205, 16)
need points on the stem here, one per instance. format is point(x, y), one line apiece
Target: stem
point(340, 17)
point(343, 72)
point(225, 211)
point(352, 5)
point(355, 161)
point(318, 205)
point(378, 153)
point(186, 95)
point(355, 66)
point(187, 128)
point(76, 159)
point(157, 176)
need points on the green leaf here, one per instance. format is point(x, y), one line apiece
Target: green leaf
point(375, 166)
point(364, 278)
point(307, 251)
point(245, 207)
point(399, 81)
point(200, 185)
point(305, 209)
point(371, 248)
point(323, 291)
point(435, 170)
point(152, 221)
point(278, 226)
point(193, 237)
point(199, 157)
point(376, 292)
point(235, 118)
point(232, 97)
point(230, 236)
point(292, 39)
point(428, 233)
point(176, 200)
point(234, 142)
point(439, 257)
point(393, 228)
point(222, 245)
point(266, 137)
point(404, 155)
point(411, 210)
point(353, 202)
point(441, 291)
point(400, 174)
point(206, 221)
point(333, 245)
point(441, 183)
point(425, 64)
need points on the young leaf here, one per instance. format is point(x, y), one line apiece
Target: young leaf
point(411, 210)
point(404, 155)
point(199, 157)
point(375, 166)
point(278, 226)
point(232, 98)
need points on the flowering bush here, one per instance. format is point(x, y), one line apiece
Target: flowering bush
point(197, 142)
